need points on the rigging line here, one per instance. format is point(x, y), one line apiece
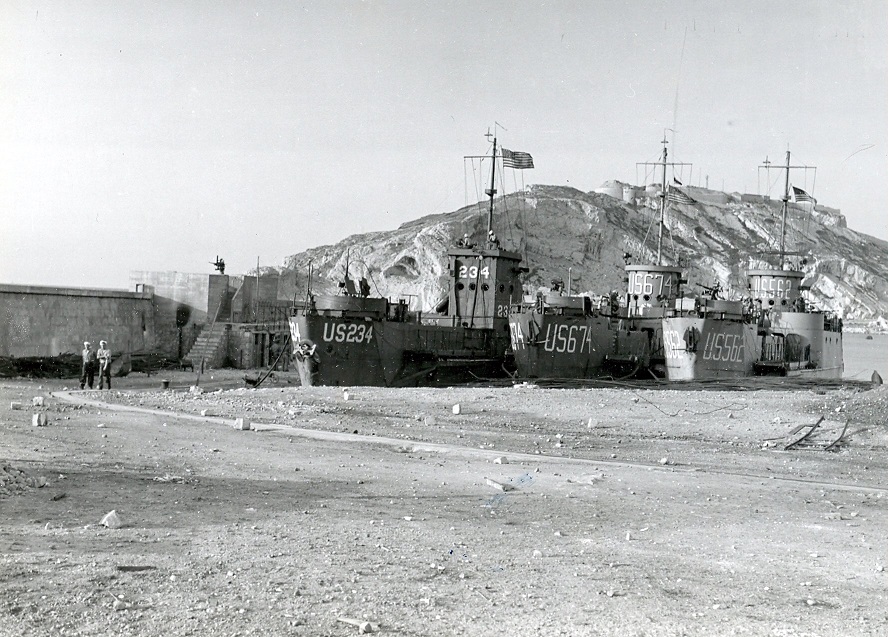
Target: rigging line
point(677, 86)
point(648, 232)
point(509, 224)
point(475, 181)
point(465, 184)
point(522, 203)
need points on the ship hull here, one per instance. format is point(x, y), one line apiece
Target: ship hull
point(709, 348)
point(341, 351)
point(803, 344)
point(577, 347)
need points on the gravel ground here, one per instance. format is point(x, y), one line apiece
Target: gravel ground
point(530, 511)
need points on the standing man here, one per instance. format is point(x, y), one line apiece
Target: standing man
point(88, 367)
point(104, 355)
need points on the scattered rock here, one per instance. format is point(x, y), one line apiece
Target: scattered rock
point(207, 412)
point(111, 520)
point(456, 409)
point(38, 420)
point(15, 405)
point(37, 401)
point(501, 460)
point(345, 394)
point(241, 424)
point(537, 553)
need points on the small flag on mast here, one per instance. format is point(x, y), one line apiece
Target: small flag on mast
point(800, 196)
point(675, 195)
point(516, 159)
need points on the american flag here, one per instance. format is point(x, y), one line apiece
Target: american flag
point(516, 159)
point(675, 195)
point(800, 195)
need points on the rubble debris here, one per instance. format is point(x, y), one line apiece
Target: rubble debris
point(168, 478)
point(363, 627)
point(499, 485)
point(807, 439)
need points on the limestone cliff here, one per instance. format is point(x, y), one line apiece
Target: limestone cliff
point(565, 233)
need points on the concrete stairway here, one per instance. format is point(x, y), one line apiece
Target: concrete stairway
point(211, 346)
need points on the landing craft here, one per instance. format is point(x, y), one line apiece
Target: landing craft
point(563, 336)
point(773, 332)
point(356, 339)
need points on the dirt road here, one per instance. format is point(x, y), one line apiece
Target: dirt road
point(531, 511)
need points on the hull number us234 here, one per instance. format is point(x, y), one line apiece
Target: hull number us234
point(348, 333)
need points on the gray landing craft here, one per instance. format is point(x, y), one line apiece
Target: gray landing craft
point(573, 337)
point(355, 339)
point(774, 332)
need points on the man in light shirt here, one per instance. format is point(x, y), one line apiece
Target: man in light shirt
point(104, 355)
point(88, 369)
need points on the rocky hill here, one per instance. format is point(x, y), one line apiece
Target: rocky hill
point(568, 234)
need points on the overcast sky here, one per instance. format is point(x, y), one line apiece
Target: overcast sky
point(154, 135)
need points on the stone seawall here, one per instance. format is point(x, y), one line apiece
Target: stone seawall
point(47, 321)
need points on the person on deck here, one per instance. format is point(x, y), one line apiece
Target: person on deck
point(104, 355)
point(88, 367)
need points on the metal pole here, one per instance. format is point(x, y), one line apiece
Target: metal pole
point(662, 208)
point(492, 191)
point(783, 220)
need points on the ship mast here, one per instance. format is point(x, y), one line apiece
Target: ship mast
point(663, 163)
point(783, 214)
point(785, 201)
point(662, 207)
point(490, 192)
